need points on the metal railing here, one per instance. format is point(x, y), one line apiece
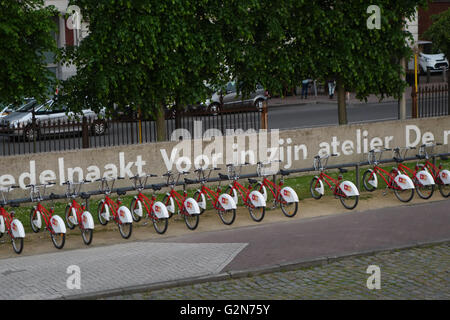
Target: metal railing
point(356, 165)
point(430, 101)
point(60, 135)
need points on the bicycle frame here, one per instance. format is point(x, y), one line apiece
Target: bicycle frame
point(332, 183)
point(114, 206)
point(187, 206)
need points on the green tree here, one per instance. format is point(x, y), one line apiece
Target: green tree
point(339, 45)
point(26, 34)
point(144, 54)
point(439, 34)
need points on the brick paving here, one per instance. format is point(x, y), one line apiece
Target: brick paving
point(418, 273)
point(104, 268)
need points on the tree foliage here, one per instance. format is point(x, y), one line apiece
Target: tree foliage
point(439, 32)
point(26, 34)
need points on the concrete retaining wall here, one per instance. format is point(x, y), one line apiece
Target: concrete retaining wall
point(296, 147)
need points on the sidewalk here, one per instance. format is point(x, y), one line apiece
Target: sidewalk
point(296, 100)
point(230, 253)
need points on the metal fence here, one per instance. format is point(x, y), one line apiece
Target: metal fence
point(35, 137)
point(430, 101)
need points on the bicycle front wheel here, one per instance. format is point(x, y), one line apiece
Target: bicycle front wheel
point(35, 216)
point(404, 195)
point(191, 220)
point(166, 201)
point(227, 216)
point(160, 225)
point(67, 215)
point(198, 198)
point(368, 180)
point(58, 239)
point(125, 229)
point(136, 206)
point(101, 210)
point(257, 213)
point(315, 182)
point(17, 244)
point(86, 235)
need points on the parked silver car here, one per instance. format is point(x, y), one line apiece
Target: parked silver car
point(19, 122)
point(233, 98)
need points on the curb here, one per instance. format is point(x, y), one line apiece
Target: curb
point(292, 265)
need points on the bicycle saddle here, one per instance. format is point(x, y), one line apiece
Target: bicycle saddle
point(418, 156)
point(53, 196)
point(252, 181)
point(342, 170)
point(189, 181)
point(156, 188)
point(121, 193)
point(85, 195)
point(398, 160)
point(223, 176)
point(284, 173)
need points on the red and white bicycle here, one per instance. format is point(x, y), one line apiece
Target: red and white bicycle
point(77, 214)
point(223, 203)
point(187, 207)
point(53, 223)
point(252, 199)
point(109, 209)
point(345, 190)
point(286, 197)
point(9, 224)
point(142, 206)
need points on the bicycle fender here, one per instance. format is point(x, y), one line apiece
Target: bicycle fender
point(191, 206)
point(58, 224)
point(404, 182)
point(425, 178)
point(264, 191)
point(38, 221)
point(234, 196)
point(171, 206)
point(320, 189)
point(2, 225)
point(87, 220)
point(202, 204)
point(445, 176)
point(138, 210)
point(257, 199)
point(124, 215)
point(17, 229)
point(160, 210)
point(227, 202)
point(289, 195)
point(349, 188)
point(374, 181)
point(73, 218)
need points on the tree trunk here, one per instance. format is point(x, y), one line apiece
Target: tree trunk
point(161, 125)
point(342, 108)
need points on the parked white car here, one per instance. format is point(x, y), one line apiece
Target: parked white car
point(19, 122)
point(430, 60)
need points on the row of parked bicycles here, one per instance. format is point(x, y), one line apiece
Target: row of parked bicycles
point(256, 196)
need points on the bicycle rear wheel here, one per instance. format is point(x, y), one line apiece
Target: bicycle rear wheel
point(58, 239)
point(125, 229)
point(191, 220)
point(444, 189)
point(160, 225)
point(257, 213)
point(350, 202)
point(227, 216)
point(288, 209)
point(17, 244)
point(86, 235)
point(404, 195)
